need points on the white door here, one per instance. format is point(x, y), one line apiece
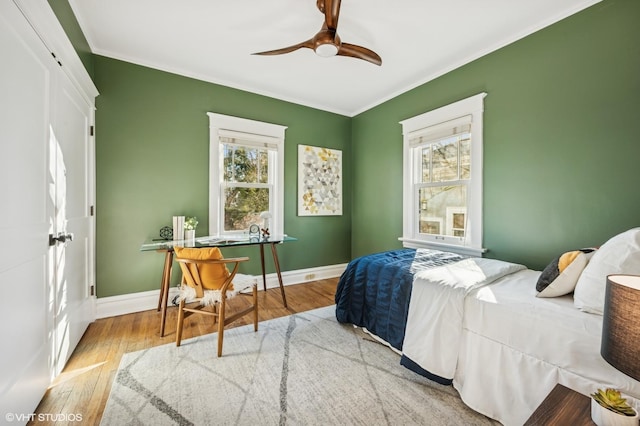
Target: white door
point(70, 152)
point(45, 289)
point(25, 214)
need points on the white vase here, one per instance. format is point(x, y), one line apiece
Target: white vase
point(189, 234)
point(603, 417)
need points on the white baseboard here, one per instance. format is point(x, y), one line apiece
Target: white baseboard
point(145, 300)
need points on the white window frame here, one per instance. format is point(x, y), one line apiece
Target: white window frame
point(257, 132)
point(471, 244)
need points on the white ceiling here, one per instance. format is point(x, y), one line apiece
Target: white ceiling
point(212, 40)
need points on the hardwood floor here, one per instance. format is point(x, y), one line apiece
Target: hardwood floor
point(83, 387)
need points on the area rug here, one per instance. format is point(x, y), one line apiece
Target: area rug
point(304, 369)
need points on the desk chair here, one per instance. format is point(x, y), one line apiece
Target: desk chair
point(207, 281)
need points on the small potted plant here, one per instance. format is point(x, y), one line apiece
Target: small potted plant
point(609, 408)
point(190, 228)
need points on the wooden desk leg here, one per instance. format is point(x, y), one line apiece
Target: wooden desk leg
point(264, 276)
point(164, 291)
point(276, 263)
point(162, 280)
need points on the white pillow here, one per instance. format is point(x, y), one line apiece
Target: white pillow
point(619, 255)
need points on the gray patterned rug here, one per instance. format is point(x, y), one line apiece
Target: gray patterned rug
point(304, 369)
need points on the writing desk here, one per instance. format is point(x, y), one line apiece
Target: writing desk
point(167, 246)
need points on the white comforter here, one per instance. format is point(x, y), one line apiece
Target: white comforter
point(434, 322)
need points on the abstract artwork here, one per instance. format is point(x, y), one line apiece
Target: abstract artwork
point(319, 181)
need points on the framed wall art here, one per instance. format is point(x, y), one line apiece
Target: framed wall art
point(319, 181)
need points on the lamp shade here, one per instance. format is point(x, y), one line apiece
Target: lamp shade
point(621, 324)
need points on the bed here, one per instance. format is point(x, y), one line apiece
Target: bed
point(477, 323)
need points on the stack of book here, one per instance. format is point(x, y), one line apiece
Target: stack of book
point(178, 228)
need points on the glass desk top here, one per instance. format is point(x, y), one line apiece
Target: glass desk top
point(215, 241)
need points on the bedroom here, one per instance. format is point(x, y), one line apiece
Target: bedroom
point(556, 100)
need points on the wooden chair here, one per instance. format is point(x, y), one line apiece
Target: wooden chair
point(194, 289)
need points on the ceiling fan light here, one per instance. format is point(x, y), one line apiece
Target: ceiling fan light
point(326, 50)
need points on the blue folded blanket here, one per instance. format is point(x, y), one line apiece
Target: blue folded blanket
point(374, 290)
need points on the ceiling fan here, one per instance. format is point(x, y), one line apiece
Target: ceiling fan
point(326, 42)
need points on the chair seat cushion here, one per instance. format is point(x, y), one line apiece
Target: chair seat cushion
point(213, 276)
point(211, 297)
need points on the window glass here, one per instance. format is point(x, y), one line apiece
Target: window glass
point(443, 205)
point(445, 160)
point(246, 186)
point(245, 164)
point(426, 164)
point(442, 210)
point(242, 207)
point(465, 157)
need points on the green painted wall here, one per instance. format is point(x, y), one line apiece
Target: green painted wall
point(561, 140)
point(152, 147)
point(69, 23)
point(561, 150)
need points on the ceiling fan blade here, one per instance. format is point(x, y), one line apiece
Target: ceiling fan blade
point(331, 11)
point(327, 42)
point(308, 44)
point(359, 52)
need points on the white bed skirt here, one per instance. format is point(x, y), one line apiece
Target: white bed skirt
point(499, 382)
point(516, 347)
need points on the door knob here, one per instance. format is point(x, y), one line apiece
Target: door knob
point(65, 237)
point(60, 238)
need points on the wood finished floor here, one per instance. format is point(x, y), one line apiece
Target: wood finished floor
point(84, 385)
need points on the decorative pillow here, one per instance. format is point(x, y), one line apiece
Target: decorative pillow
point(561, 276)
point(212, 275)
point(619, 255)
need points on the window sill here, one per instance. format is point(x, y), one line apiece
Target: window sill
point(467, 251)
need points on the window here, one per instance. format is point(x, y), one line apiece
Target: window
point(246, 174)
point(442, 178)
